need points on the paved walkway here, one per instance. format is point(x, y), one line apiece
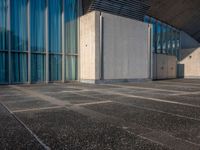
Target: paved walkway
point(122, 116)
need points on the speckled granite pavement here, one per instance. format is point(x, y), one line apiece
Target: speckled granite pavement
point(158, 115)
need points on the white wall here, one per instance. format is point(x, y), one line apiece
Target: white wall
point(89, 46)
point(189, 65)
point(125, 48)
point(165, 67)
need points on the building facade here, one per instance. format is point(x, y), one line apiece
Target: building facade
point(40, 40)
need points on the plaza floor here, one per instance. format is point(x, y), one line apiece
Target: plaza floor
point(151, 115)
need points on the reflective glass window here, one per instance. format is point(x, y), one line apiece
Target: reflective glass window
point(71, 49)
point(3, 43)
point(55, 40)
point(19, 41)
point(37, 39)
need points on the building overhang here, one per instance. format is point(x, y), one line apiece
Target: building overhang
point(182, 14)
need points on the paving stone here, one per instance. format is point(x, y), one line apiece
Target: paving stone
point(13, 135)
point(63, 129)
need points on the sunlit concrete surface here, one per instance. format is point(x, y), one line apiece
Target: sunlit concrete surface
point(157, 115)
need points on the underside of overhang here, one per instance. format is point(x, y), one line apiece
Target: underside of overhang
point(182, 14)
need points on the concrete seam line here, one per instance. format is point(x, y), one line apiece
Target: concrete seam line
point(27, 128)
point(36, 109)
point(172, 114)
point(140, 97)
point(142, 136)
point(93, 103)
point(136, 87)
point(156, 99)
point(159, 111)
point(181, 83)
point(177, 138)
point(173, 85)
point(186, 93)
point(50, 99)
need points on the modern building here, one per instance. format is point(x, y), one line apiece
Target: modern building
point(92, 41)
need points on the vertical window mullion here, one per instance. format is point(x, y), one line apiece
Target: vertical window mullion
point(9, 40)
point(63, 42)
point(47, 40)
point(29, 44)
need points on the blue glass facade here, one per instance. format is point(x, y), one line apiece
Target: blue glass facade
point(70, 41)
point(39, 37)
point(55, 40)
point(166, 39)
point(19, 41)
point(3, 43)
point(37, 40)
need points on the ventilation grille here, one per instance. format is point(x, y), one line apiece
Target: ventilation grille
point(135, 9)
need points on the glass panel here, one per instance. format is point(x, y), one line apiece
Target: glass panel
point(174, 42)
point(168, 39)
point(153, 21)
point(159, 34)
point(55, 26)
point(146, 19)
point(164, 39)
point(37, 33)
point(37, 25)
point(3, 30)
point(71, 12)
point(55, 42)
point(55, 67)
point(3, 67)
point(71, 68)
point(38, 67)
point(19, 67)
point(19, 40)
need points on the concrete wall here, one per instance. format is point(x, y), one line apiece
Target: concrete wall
point(165, 67)
point(124, 46)
point(89, 46)
point(189, 64)
point(188, 42)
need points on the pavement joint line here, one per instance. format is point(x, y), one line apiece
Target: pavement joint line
point(92, 113)
point(21, 101)
point(27, 128)
point(186, 93)
point(154, 89)
point(140, 97)
point(149, 98)
point(145, 108)
point(159, 111)
point(145, 138)
point(94, 103)
point(37, 109)
point(181, 83)
point(176, 138)
point(50, 99)
point(150, 109)
point(173, 85)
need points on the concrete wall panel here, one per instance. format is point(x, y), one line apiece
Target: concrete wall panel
point(189, 64)
point(164, 66)
point(89, 46)
point(125, 47)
